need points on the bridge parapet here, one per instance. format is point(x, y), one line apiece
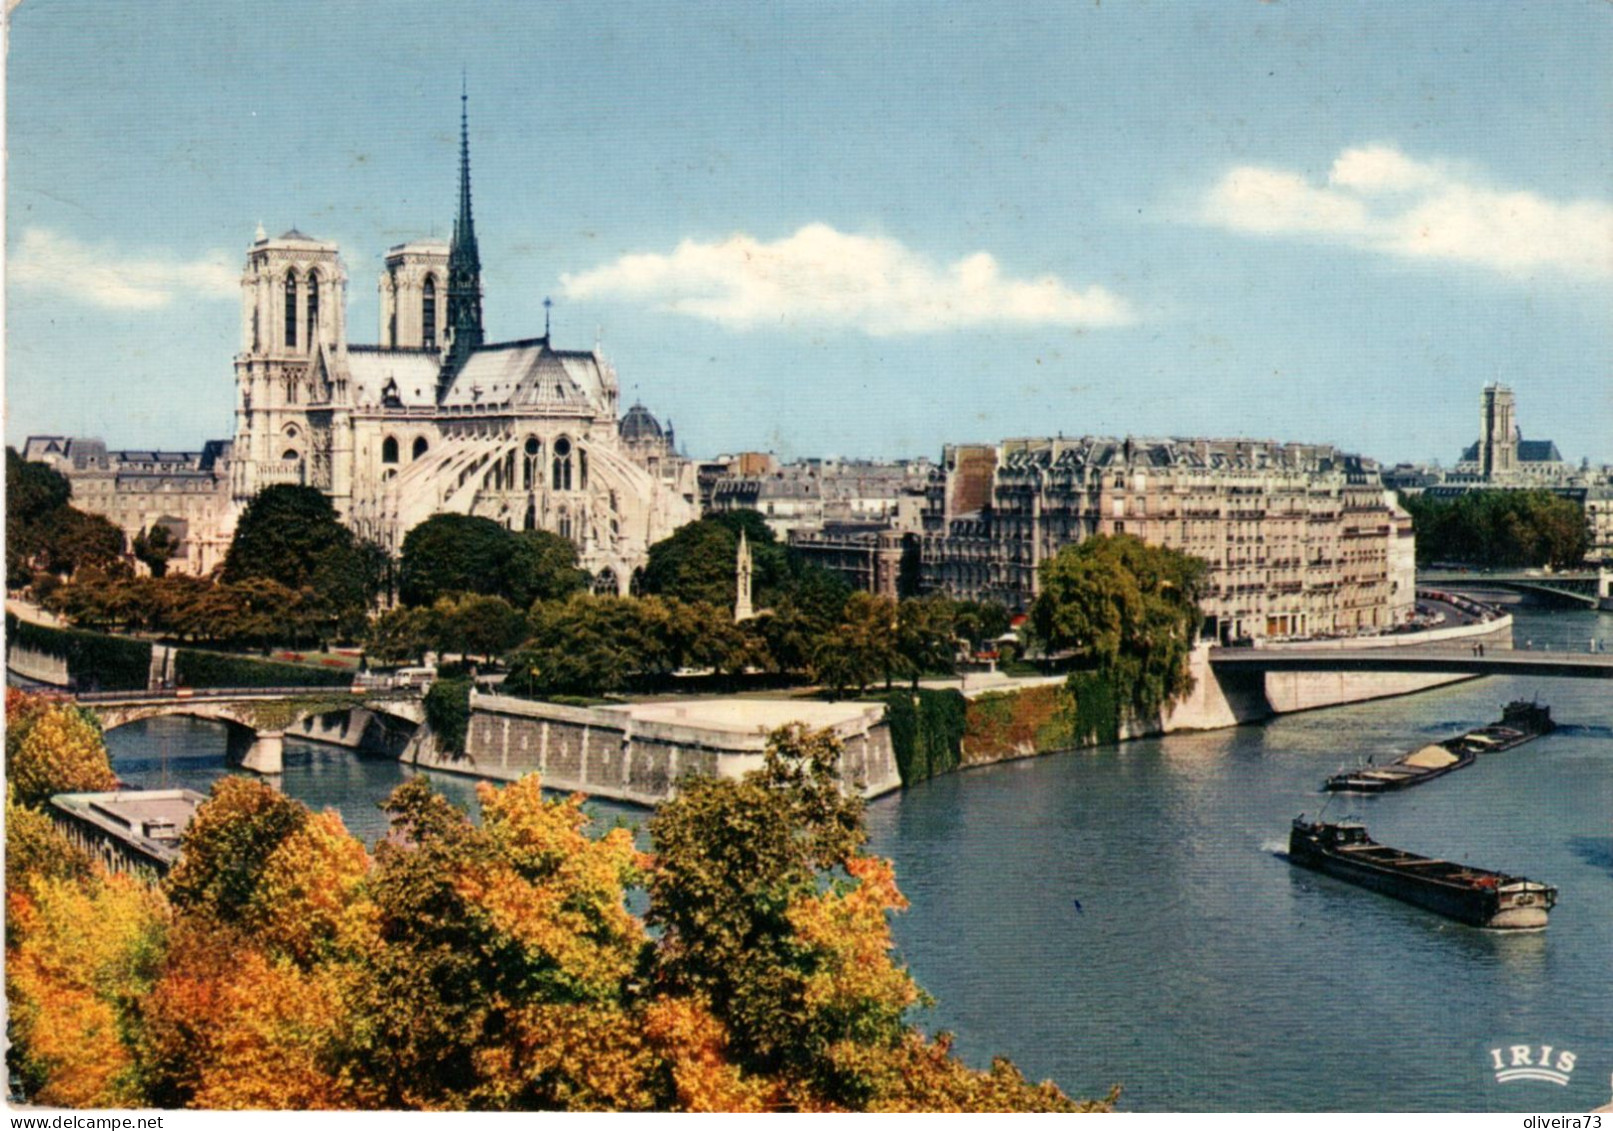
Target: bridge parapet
point(257, 717)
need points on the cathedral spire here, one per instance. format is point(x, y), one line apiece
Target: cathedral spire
point(464, 261)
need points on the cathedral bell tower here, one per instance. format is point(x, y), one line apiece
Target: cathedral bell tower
point(464, 263)
point(293, 306)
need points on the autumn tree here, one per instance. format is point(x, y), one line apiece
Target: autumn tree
point(83, 957)
point(227, 846)
point(52, 747)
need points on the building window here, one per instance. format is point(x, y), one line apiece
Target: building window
point(290, 455)
point(562, 464)
point(291, 309)
point(582, 468)
point(389, 450)
point(313, 309)
point(428, 313)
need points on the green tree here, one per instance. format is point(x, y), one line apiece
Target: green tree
point(1131, 610)
point(291, 535)
point(732, 858)
point(450, 554)
point(1499, 529)
point(695, 564)
point(863, 647)
point(926, 636)
point(542, 567)
point(154, 547)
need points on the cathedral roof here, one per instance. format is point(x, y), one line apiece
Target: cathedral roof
point(528, 374)
point(640, 424)
point(410, 374)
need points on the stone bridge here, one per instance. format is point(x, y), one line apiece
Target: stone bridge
point(257, 717)
point(1590, 588)
point(1416, 658)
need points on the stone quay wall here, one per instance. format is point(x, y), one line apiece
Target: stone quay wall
point(607, 752)
point(1218, 699)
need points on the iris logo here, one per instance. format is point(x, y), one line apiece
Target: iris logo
point(1532, 1062)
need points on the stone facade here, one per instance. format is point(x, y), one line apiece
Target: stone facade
point(1301, 540)
point(186, 492)
point(433, 419)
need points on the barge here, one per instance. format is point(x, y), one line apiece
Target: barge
point(1475, 896)
point(1522, 720)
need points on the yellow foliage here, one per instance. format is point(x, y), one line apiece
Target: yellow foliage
point(558, 892)
point(305, 896)
point(570, 1058)
point(855, 980)
point(61, 752)
point(80, 957)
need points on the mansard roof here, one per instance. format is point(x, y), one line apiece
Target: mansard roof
point(529, 374)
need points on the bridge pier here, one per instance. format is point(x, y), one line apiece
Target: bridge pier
point(266, 755)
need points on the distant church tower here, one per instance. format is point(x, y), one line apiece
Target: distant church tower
point(742, 582)
point(464, 262)
point(1498, 435)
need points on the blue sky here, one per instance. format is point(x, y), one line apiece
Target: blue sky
point(853, 229)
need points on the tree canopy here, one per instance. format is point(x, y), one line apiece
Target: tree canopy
point(452, 554)
point(44, 534)
point(1131, 610)
point(1499, 529)
point(291, 535)
point(491, 966)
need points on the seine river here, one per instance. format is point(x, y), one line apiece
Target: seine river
point(1124, 915)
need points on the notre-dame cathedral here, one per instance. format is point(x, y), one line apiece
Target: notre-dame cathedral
point(436, 419)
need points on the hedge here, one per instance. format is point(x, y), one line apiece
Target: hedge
point(196, 668)
point(95, 661)
point(926, 732)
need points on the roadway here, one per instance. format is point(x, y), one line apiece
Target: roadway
point(1427, 658)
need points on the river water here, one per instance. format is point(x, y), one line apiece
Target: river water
point(1124, 915)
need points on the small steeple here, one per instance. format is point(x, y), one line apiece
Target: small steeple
point(743, 611)
point(464, 260)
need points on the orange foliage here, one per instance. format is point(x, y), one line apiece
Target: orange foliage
point(855, 985)
point(80, 959)
point(694, 1045)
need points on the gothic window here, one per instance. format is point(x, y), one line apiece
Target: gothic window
point(389, 450)
point(428, 313)
point(291, 309)
point(562, 464)
point(582, 468)
point(313, 308)
point(565, 525)
point(420, 447)
point(529, 465)
point(291, 432)
point(290, 454)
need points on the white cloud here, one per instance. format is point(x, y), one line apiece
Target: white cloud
point(59, 264)
point(820, 276)
point(1378, 199)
